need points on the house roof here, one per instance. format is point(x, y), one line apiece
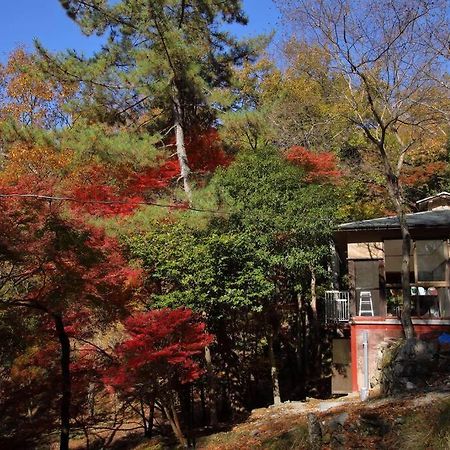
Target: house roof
point(439, 218)
point(443, 194)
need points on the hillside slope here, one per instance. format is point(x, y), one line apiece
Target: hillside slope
point(412, 422)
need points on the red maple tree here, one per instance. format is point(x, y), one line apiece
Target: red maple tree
point(157, 357)
point(70, 273)
point(205, 153)
point(319, 166)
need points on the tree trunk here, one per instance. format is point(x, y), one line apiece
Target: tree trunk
point(396, 195)
point(151, 417)
point(313, 291)
point(300, 337)
point(313, 328)
point(274, 371)
point(172, 417)
point(203, 404)
point(213, 421)
point(179, 140)
point(65, 382)
point(407, 324)
point(334, 267)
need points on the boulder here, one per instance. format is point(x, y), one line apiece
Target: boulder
point(407, 364)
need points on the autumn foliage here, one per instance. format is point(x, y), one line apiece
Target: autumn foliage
point(423, 174)
point(155, 359)
point(27, 96)
point(159, 350)
point(205, 153)
point(61, 259)
point(319, 166)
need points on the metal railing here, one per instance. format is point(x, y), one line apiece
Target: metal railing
point(337, 306)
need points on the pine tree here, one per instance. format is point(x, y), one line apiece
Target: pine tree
point(164, 61)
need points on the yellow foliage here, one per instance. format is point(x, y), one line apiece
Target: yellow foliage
point(26, 94)
point(41, 161)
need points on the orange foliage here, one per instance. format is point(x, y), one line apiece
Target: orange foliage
point(319, 167)
point(103, 190)
point(27, 96)
point(420, 175)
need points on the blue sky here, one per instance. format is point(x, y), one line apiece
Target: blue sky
point(23, 20)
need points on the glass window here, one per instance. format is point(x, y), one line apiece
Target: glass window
point(431, 260)
point(367, 278)
point(393, 261)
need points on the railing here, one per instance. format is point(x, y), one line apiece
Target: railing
point(337, 306)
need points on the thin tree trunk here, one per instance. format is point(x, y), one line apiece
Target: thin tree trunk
point(396, 195)
point(274, 371)
point(334, 267)
point(313, 291)
point(313, 324)
point(306, 338)
point(151, 417)
point(143, 415)
point(397, 198)
point(407, 324)
point(203, 403)
point(301, 362)
point(213, 421)
point(185, 171)
point(300, 341)
point(65, 382)
point(172, 417)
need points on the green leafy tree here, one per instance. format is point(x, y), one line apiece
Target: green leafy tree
point(290, 220)
point(218, 274)
point(268, 251)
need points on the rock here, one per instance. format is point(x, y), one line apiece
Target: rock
point(324, 406)
point(407, 364)
point(314, 431)
point(337, 422)
point(372, 424)
point(338, 441)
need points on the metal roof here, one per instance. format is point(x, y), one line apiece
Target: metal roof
point(427, 219)
point(443, 194)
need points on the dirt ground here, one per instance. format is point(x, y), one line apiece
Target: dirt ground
point(414, 421)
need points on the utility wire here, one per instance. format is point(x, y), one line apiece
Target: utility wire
point(108, 202)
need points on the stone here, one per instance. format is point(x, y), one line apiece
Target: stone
point(326, 438)
point(407, 364)
point(314, 430)
point(325, 406)
point(338, 421)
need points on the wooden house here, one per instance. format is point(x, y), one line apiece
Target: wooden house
point(369, 309)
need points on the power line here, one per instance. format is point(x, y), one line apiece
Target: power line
point(108, 202)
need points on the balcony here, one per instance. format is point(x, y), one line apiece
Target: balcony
point(337, 308)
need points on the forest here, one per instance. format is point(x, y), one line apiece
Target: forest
point(167, 205)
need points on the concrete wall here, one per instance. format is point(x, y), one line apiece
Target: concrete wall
point(341, 381)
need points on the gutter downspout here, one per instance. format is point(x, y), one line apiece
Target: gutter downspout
point(364, 393)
